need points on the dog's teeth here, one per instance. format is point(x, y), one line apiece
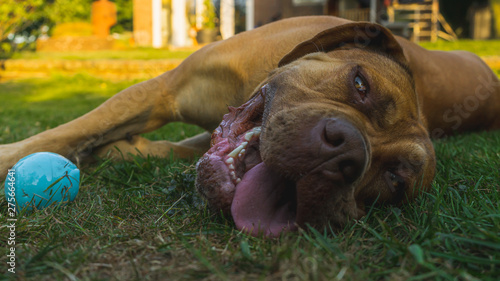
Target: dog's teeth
point(249, 135)
point(230, 160)
point(234, 152)
point(233, 175)
point(242, 153)
point(238, 150)
point(238, 180)
point(256, 131)
point(231, 167)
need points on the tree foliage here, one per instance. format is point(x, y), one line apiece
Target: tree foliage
point(24, 18)
point(124, 10)
point(17, 15)
point(62, 11)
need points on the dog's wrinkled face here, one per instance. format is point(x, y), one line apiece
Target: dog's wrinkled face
point(331, 131)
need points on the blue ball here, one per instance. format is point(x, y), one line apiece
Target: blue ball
point(40, 180)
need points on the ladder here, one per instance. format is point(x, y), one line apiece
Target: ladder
point(423, 18)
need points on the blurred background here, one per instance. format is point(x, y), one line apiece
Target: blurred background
point(140, 39)
point(70, 25)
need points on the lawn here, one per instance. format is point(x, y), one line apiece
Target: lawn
point(143, 220)
point(480, 48)
point(137, 54)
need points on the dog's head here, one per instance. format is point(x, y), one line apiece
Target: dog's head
point(334, 129)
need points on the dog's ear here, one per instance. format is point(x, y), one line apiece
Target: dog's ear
point(360, 35)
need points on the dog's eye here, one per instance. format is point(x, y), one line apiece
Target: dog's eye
point(361, 86)
point(395, 182)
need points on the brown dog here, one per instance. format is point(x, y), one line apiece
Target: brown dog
point(327, 126)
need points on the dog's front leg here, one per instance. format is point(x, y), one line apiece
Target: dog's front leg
point(138, 109)
point(186, 149)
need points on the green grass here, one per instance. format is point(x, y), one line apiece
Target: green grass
point(143, 220)
point(136, 53)
point(35, 105)
point(480, 48)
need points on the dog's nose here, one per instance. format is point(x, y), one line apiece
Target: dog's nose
point(345, 149)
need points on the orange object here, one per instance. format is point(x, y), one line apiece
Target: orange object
point(103, 17)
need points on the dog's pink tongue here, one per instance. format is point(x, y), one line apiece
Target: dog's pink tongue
point(262, 205)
